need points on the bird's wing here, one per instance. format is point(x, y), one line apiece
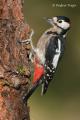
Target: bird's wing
point(52, 56)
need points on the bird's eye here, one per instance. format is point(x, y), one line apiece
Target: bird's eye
point(59, 21)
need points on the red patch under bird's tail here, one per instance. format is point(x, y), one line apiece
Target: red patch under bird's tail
point(38, 72)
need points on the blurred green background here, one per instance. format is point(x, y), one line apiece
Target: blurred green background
point(62, 101)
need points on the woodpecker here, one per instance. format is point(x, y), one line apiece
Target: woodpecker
point(48, 52)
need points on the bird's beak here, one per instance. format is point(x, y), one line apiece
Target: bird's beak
point(49, 20)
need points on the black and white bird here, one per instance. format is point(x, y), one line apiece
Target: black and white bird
point(47, 54)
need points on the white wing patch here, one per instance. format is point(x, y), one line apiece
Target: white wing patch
point(57, 55)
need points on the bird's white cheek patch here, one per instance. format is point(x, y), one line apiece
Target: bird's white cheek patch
point(57, 55)
point(64, 25)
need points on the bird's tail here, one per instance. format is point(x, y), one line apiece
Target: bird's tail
point(31, 90)
point(44, 87)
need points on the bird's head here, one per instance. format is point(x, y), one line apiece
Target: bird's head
point(61, 22)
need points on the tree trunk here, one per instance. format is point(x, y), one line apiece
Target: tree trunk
point(14, 61)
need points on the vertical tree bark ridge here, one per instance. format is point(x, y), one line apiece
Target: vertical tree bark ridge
point(14, 61)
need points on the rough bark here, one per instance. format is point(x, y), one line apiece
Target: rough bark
point(14, 62)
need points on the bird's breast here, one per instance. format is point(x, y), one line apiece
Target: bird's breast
point(41, 56)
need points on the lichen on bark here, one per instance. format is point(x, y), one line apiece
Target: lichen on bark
point(14, 61)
